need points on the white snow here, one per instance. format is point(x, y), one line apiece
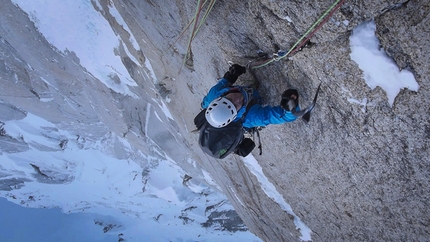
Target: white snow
point(93, 180)
point(150, 73)
point(271, 192)
point(378, 68)
point(362, 103)
point(75, 25)
point(237, 198)
point(164, 108)
point(207, 177)
point(143, 194)
point(120, 20)
point(288, 19)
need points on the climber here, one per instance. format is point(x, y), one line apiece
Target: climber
point(226, 103)
point(227, 109)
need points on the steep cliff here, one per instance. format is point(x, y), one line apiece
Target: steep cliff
point(356, 172)
point(350, 175)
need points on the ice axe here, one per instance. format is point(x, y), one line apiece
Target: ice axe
point(305, 114)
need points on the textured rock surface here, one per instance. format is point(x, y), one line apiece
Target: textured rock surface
point(349, 175)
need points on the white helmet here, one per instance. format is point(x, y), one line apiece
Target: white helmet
point(220, 112)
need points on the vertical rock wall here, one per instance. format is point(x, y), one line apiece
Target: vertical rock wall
point(355, 172)
point(350, 175)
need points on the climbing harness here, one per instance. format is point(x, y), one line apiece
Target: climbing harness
point(302, 41)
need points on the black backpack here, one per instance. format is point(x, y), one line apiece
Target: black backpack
point(220, 142)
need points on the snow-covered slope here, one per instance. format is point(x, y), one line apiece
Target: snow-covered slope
point(59, 148)
point(97, 107)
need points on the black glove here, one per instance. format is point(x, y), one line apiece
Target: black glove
point(290, 100)
point(244, 148)
point(234, 72)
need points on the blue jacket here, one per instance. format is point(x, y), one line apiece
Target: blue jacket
point(258, 115)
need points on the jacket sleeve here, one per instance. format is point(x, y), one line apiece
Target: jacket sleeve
point(262, 116)
point(215, 91)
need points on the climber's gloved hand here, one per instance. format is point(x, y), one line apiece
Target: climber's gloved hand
point(290, 100)
point(237, 70)
point(244, 148)
point(234, 72)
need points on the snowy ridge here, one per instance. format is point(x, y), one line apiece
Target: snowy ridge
point(79, 175)
point(144, 191)
point(135, 193)
point(75, 26)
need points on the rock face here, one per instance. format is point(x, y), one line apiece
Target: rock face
point(349, 175)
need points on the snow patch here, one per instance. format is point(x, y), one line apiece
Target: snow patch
point(378, 68)
point(362, 103)
point(210, 180)
point(237, 198)
point(88, 179)
point(288, 19)
point(164, 108)
point(114, 12)
point(271, 192)
point(74, 25)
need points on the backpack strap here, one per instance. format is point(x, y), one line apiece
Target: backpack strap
point(200, 120)
point(260, 146)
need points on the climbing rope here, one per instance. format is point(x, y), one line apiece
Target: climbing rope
point(196, 26)
point(193, 34)
point(302, 41)
point(195, 19)
point(209, 9)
